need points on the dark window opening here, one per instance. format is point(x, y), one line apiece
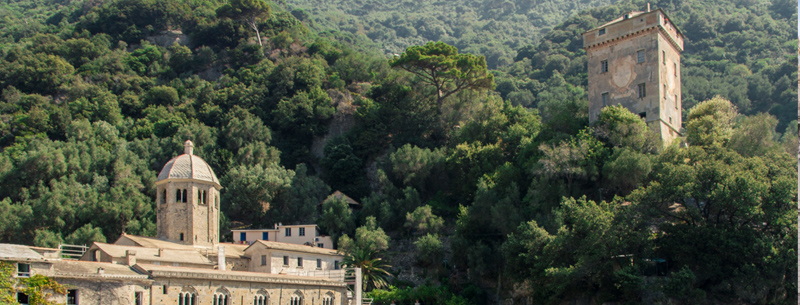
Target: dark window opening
point(265, 235)
point(242, 236)
point(643, 115)
point(164, 289)
point(286, 261)
point(288, 231)
point(23, 270)
point(184, 196)
point(181, 237)
point(299, 262)
point(319, 263)
point(642, 90)
point(640, 56)
point(72, 297)
point(603, 66)
point(263, 260)
point(22, 298)
point(601, 32)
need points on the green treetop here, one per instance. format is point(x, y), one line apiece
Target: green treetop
point(249, 11)
point(440, 65)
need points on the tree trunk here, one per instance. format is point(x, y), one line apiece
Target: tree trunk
point(258, 35)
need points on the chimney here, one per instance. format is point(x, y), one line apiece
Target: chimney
point(648, 7)
point(221, 257)
point(130, 256)
point(160, 252)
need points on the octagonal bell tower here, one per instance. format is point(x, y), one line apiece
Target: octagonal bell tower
point(188, 201)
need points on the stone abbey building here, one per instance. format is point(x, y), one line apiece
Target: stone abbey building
point(186, 264)
point(634, 61)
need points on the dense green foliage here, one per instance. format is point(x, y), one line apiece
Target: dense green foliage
point(495, 29)
point(97, 97)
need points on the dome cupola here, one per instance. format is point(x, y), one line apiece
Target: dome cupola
point(188, 166)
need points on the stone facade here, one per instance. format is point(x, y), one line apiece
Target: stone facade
point(187, 196)
point(293, 234)
point(186, 264)
point(634, 61)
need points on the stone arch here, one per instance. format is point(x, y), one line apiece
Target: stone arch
point(188, 296)
point(261, 297)
point(328, 299)
point(297, 298)
point(222, 296)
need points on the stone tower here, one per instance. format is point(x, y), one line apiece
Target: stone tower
point(634, 61)
point(188, 201)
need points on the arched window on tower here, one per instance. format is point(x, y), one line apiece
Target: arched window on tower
point(164, 197)
point(184, 195)
point(178, 196)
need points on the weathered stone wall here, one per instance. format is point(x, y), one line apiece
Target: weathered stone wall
point(103, 292)
point(661, 43)
point(240, 292)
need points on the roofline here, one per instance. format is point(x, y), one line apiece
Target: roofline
point(335, 251)
point(164, 181)
point(654, 10)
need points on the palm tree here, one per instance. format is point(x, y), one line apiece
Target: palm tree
point(373, 268)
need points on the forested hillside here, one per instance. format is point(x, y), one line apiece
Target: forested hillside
point(495, 29)
point(484, 187)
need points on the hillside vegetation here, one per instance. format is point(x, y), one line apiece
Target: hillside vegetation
point(494, 185)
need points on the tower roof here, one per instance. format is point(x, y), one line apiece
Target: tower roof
point(188, 166)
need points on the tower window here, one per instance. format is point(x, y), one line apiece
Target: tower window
point(285, 260)
point(299, 262)
point(184, 196)
point(603, 66)
point(181, 237)
point(178, 196)
point(642, 90)
point(604, 98)
point(601, 32)
point(640, 56)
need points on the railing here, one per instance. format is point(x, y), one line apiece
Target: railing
point(72, 251)
point(336, 275)
point(366, 301)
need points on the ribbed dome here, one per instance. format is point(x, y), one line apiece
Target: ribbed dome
point(188, 166)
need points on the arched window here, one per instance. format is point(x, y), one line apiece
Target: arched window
point(261, 298)
point(327, 299)
point(184, 195)
point(187, 298)
point(297, 299)
point(164, 197)
point(221, 297)
point(178, 195)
